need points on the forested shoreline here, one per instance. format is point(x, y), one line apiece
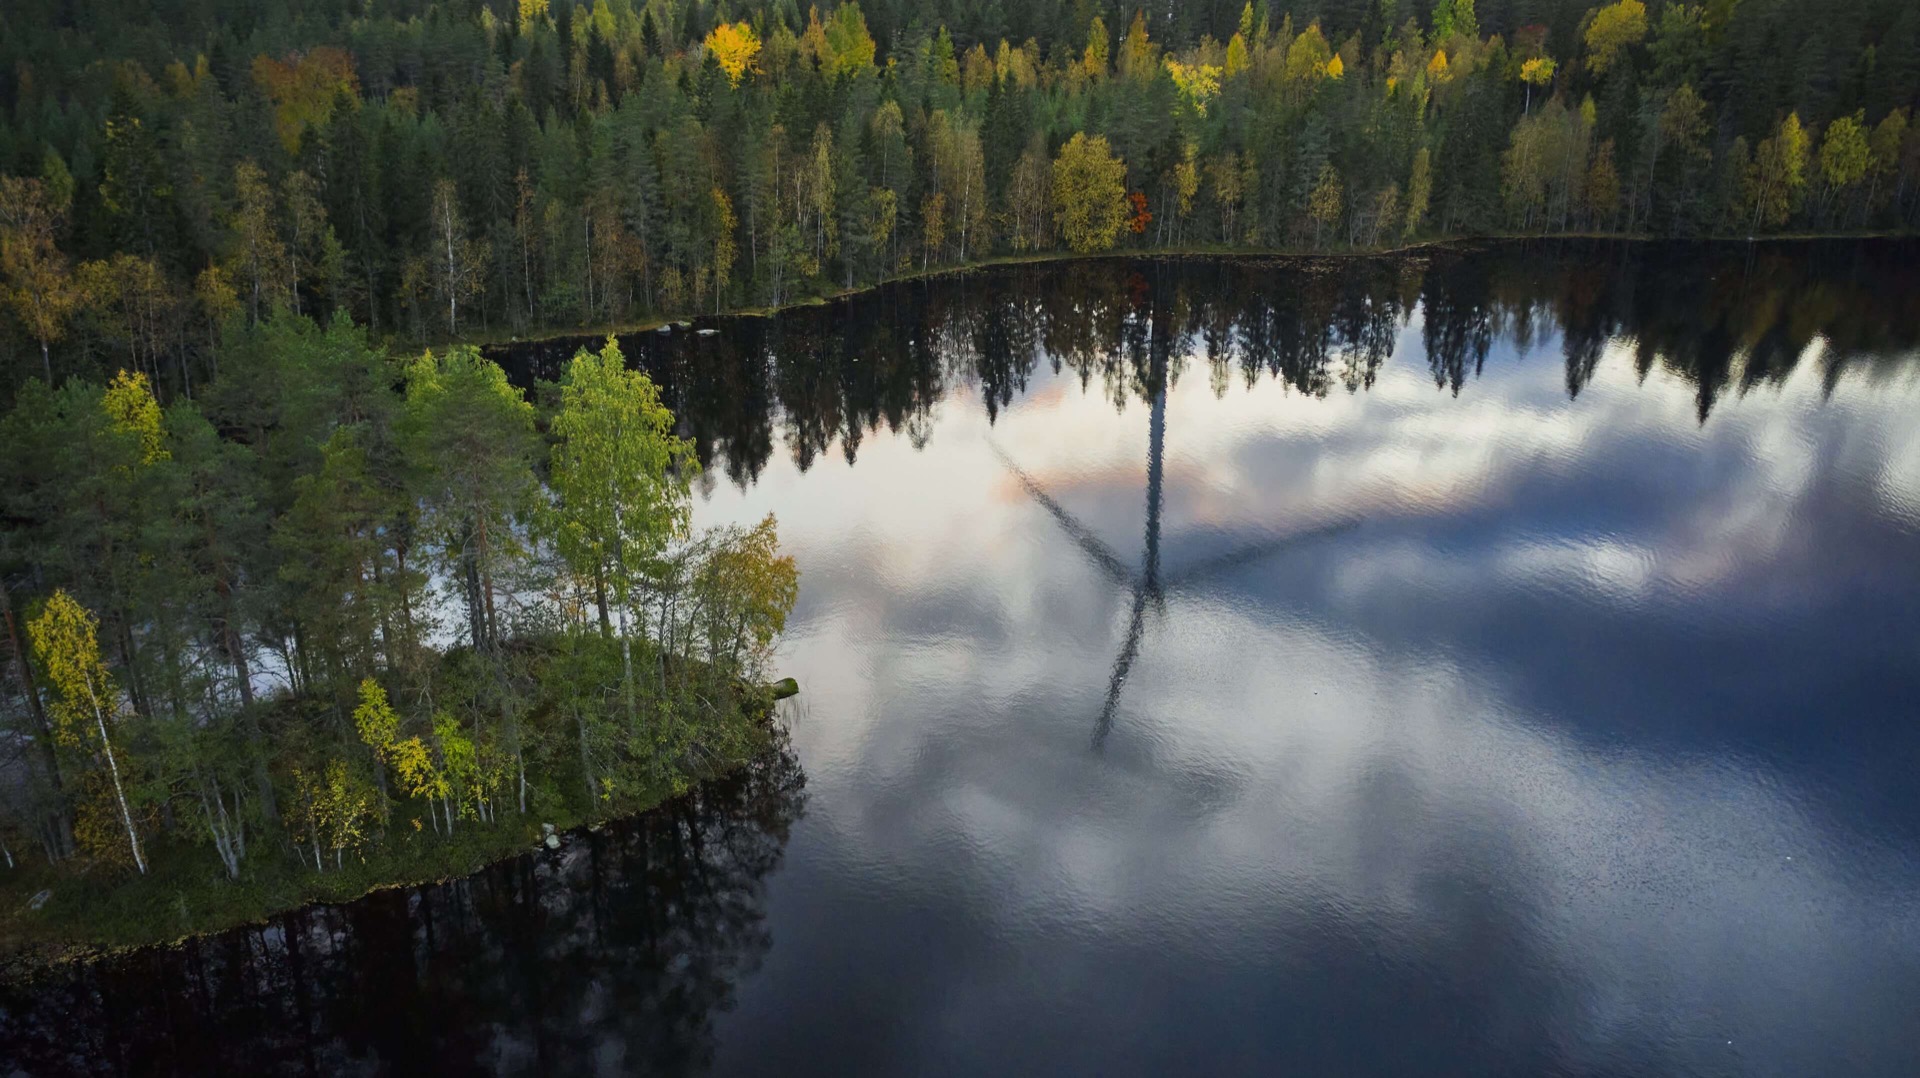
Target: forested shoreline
point(451, 170)
point(346, 618)
point(285, 597)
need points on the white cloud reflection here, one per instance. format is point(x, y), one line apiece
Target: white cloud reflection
point(1313, 770)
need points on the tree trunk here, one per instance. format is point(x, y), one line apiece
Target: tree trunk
point(586, 760)
point(470, 583)
point(113, 766)
point(48, 757)
point(483, 565)
point(626, 643)
point(600, 601)
point(453, 284)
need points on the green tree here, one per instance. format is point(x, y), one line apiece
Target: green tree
point(458, 260)
point(1888, 143)
point(1455, 18)
point(1845, 157)
point(620, 476)
point(1612, 30)
point(256, 256)
point(344, 559)
point(309, 262)
point(960, 174)
point(470, 443)
point(1089, 193)
point(1323, 205)
point(1779, 174)
point(1684, 132)
point(39, 286)
point(1030, 199)
point(1419, 191)
point(850, 48)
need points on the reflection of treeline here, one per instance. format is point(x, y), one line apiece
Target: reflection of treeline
point(342, 617)
point(1722, 317)
point(627, 941)
point(441, 168)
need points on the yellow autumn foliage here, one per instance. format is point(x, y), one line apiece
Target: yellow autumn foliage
point(130, 402)
point(1198, 83)
point(375, 718)
point(736, 47)
point(1614, 29)
point(66, 638)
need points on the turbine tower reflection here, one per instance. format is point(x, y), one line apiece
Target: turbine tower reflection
point(1146, 586)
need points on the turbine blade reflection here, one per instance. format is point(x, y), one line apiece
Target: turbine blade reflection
point(1083, 536)
point(1129, 649)
point(1253, 552)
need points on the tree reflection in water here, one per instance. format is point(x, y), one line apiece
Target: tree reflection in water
point(612, 953)
point(1725, 317)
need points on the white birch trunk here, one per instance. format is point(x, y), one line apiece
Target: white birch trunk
point(113, 766)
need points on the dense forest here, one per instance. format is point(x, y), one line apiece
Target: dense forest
point(342, 619)
point(444, 170)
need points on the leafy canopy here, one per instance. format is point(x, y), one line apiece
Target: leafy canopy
point(1614, 29)
point(1089, 193)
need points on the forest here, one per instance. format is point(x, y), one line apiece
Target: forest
point(342, 619)
point(289, 598)
point(484, 168)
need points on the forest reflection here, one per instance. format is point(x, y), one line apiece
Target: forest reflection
point(612, 953)
point(1724, 317)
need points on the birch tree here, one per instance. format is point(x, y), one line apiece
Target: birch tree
point(459, 262)
point(621, 476)
point(38, 284)
point(85, 703)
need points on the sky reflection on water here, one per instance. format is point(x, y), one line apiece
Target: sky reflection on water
point(1589, 749)
point(1524, 667)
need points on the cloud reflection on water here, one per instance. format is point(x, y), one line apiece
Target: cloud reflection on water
point(1515, 768)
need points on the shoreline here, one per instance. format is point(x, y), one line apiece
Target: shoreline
point(26, 955)
point(115, 916)
point(652, 323)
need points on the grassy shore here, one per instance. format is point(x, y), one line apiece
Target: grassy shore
point(91, 913)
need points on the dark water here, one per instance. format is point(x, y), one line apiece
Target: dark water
point(1501, 662)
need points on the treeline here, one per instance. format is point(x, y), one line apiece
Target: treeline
point(440, 170)
point(815, 384)
point(342, 605)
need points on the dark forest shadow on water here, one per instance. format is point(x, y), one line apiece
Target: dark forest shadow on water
point(1726, 317)
point(613, 951)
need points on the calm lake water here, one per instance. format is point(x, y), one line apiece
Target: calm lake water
point(1497, 662)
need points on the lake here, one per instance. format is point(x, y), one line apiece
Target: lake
point(1496, 661)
